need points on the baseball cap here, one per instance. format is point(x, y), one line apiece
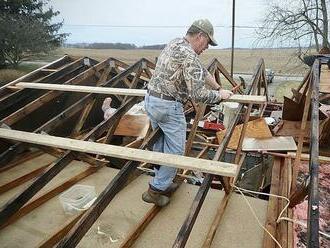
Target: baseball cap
point(206, 27)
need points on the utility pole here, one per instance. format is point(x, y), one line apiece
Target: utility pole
point(232, 41)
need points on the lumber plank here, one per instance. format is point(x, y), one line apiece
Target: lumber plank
point(282, 231)
point(12, 101)
point(220, 211)
point(286, 143)
point(91, 215)
point(208, 166)
point(60, 233)
point(134, 83)
point(125, 92)
point(48, 195)
point(65, 57)
point(18, 181)
point(21, 159)
point(325, 79)
point(272, 209)
point(255, 129)
point(306, 111)
point(133, 125)
point(32, 106)
point(10, 153)
point(84, 89)
point(189, 222)
point(305, 156)
point(313, 223)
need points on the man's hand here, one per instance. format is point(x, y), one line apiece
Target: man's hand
point(225, 94)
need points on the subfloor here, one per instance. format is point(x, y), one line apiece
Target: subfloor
point(238, 227)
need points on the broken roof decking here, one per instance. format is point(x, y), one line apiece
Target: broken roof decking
point(107, 73)
point(121, 215)
point(20, 106)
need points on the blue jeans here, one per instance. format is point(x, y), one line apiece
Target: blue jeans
point(169, 117)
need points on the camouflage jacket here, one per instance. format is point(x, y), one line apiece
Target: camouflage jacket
point(180, 74)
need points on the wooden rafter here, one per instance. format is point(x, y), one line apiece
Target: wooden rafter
point(17, 202)
point(188, 224)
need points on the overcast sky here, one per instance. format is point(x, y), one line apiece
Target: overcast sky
point(147, 22)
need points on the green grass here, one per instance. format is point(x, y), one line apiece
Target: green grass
point(285, 90)
point(9, 74)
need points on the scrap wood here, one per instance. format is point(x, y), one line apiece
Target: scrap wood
point(293, 111)
point(213, 167)
point(325, 79)
point(292, 128)
point(255, 129)
point(133, 125)
point(270, 144)
point(125, 92)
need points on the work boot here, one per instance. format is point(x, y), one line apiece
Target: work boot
point(172, 188)
point(156, 197)
point(167, 191)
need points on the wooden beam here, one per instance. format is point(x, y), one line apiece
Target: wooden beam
point(32, 106)
point(18, 181)
point(21, 159)
point(133, 236)
point(281, 143)
point(220, 211)
point(14, 100)
point(12, 206)
point(91, 215)
point(313, 224)
point(60, 233)
point(11, 152)
point(208, 166)
point(189, 222)
point(60, 60)
point(226, 74)
point(198, 116)
point(47, 196)
point(282, 230)
point(272, 209)
point(126, 92)
point(86, 111)
point(112, 129)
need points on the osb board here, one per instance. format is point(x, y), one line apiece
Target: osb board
point(127, 208)
point(292, 128)
point(133, 125)
point(255, 129)
point(325, 79)
point(270, 144)
point(293, 111)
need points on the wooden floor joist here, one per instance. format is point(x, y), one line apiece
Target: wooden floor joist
point(126, 92)
point(189, 222)
point(208, 166)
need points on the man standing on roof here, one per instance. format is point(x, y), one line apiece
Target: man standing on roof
point(178, 77)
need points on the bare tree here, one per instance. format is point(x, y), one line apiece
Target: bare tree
point(299, 23)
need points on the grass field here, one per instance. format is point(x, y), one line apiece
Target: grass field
point(279, 60)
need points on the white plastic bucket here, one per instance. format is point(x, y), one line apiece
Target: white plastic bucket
point(77, 198)
point(229, 110)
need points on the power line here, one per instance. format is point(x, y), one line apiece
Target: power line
point(150, 26)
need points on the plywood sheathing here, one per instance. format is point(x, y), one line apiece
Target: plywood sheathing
point(255, 129)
